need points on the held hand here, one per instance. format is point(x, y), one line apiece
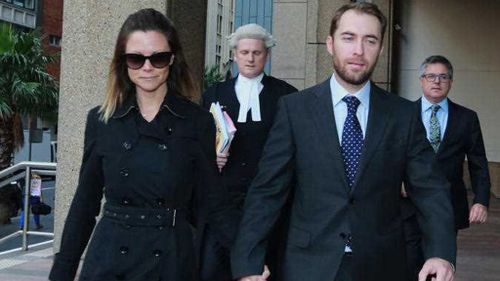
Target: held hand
point(478, 213)
point(222, 160)
point(439, 269)
point(266, 272)
point(252, 278)
point(262, 277)
point(403, 192)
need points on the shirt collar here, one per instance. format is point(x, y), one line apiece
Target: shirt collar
point(256, 79)
point(426, 105)
point(338, 92)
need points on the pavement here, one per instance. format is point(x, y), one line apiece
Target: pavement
point(478, 255)
point(33, 265)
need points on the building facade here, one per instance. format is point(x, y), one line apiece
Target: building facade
point(51, 18)
point(21, 13)
point(220, 24)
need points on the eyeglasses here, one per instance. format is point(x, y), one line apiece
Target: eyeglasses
point(431, 77)
point(158, 60)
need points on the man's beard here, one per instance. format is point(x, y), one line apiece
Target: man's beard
point(352, 78)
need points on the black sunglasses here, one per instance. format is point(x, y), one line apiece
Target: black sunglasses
point(158, 60)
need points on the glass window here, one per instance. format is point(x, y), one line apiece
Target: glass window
point(29, 4)
point(19, 3)
point(55, 41)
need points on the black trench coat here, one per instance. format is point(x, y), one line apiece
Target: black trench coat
point(160, 183)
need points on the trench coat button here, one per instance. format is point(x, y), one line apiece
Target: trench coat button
point(157, 253)
point(123, 250)
point(169, 131)
point(162, 147)
point(120, 276)
point(126, 216)
point(161, 227)
point(125, 201)
point(160, 201)
point(124, 172)
point(158, 217)
point(243, 164)
point(142, 217)
point(127, 145)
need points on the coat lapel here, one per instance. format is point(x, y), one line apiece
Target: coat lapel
point(451, 126)
point(377, 120)
point(321, 110)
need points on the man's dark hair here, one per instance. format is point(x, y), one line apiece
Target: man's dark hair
point(363, 8)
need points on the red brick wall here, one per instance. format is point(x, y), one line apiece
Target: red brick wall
point(51, 23)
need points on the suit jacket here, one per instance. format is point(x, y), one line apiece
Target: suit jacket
point(250, 137)
point(462, 138)
point(324, 210)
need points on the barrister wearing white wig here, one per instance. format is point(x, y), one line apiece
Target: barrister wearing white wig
point(251, 43)
point(251, 100)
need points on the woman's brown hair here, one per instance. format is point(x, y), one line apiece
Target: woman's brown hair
point(120, 88)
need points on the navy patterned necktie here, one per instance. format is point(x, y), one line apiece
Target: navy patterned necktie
point(352, 139)
point(435, 128)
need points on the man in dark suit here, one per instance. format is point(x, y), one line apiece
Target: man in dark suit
point(350, 145)
point(250, 100)
point(454, 132)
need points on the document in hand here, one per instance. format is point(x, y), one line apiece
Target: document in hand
point(224, 126)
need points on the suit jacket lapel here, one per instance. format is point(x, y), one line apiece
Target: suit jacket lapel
point(377, 120)
point(453, 122)
point(266, 100)
point(321, 110)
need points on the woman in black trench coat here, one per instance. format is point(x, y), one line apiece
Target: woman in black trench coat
point(150, 152)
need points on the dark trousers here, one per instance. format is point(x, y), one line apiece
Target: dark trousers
point(345, 270)
point(414, 252)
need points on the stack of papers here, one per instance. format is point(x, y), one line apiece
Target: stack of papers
point(224, 126)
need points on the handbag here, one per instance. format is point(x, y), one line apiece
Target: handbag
point(41, 209)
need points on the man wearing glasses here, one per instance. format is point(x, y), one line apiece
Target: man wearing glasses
point(453, 132)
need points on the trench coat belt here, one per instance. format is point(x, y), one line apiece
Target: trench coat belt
point(134, 216)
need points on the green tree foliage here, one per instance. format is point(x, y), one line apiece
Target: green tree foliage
point(211, 76)
point(26, 88)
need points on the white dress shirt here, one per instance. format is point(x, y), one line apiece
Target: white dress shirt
point(248, 91)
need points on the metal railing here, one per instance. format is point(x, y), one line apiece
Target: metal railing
point(16, 172)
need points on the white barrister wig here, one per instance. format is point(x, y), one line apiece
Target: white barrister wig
point(251, 31)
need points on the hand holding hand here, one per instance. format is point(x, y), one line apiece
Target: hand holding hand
point(262, 277)
point(478, 213)
point(403, 192)
point(439, 269)
point(222, 160)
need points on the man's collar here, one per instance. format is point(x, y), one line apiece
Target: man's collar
point(340, 92)
point(426, 104)
point(257, 78)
